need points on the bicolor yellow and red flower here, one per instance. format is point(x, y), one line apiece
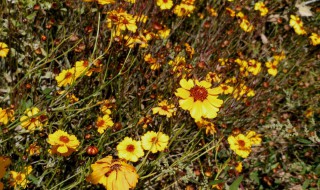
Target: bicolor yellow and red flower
point(199, 98)
point(113, 174)
point(130, 149)
point(63, 143)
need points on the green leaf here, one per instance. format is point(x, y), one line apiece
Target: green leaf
point(33, 179)
point(215, 182)
point(255, 177)
point(236, 183)
point(304, 141)
point(306, 184)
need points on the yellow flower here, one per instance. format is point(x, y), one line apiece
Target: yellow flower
point(103, 123)
point(231, 12)
point(152, 61)
point(279, 57)
point(113, 174)
point(199, 99)
point(238, 167)
point(63, 143)
point(254, 66)
point(272, 67)
point(66, 77)
point(245, 25)
point(262, 8)
point(240, 15)
point(33, 149)
point(105, 107)
point(131, 1)
point(130, 150)
point(240, 144)
point(6, 115)
point(106, 2)
point(213, 77)
point(315, 39)
point(212, 12)
point(164, 109)
point(145, 121)
point(226, 89)
point(141, 18)
point(164, 33)
point(122, 20)
point(210, 128)
point(32, 119)
point(4, 50)
point(19, 179)
point(254, 138)
point(72, 98)
point(154, 141)
point(297, 25)
point(183, 9)
point(165, 4)
point(80, 67)
point(189, 50)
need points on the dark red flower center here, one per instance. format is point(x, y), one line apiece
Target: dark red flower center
point(164, 108)
point(64, 139)
point(198, 93)
point(130, 148)
point(68, 75)
point(100, 123)
point(241, 143)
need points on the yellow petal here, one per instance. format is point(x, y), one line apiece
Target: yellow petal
point(215, 91)
point(186, 104)
point(62, 149)
point(182, 93)
point(204, 84)
point(215, 101)
point(196, 111)
point(186, 84)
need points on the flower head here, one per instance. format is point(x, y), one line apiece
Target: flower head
point(63, 143)
point(66, 77)
point(164, 109)
point(272, 67)
point(103, 123)
point(4, 50)
point(130, 149)
point(199, 98)
point(154, 141)
point(260, 6)
point(19, 179)
point(183, 9)
point(165, 4)
point(6, 115)
point(315, 39)
point(32, 120)
point(297, 24)
point(240, 144)
point(207, 125)
point(113, 174)
point(246, 25)
point(33, 149)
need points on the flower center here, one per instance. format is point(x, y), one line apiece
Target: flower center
point(115, 167)
point(68, 75)
point(18, 178)
point(32, 120)
point(130, 148)
point(241, 143)
point(64, 139)
point(154, 140)
point(164, 108)
point(224, 88)
point(198, 93)
point(100, 123)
